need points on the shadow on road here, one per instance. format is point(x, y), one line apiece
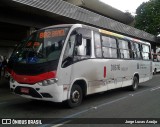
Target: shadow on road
point(4, 83)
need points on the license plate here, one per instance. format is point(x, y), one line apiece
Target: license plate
point(25, 90)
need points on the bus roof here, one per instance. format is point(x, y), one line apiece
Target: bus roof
point(100, 30)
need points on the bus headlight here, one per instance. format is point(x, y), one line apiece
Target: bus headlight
point(48, 82)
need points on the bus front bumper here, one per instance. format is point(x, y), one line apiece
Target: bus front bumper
point(52, 92)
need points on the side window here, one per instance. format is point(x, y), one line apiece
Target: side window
point(109, 47)
point(98, 48)
point(124, 49)
point(83, 50)
point(134, 52)
point(137, 50)
point(75, 51)
point(146, 52)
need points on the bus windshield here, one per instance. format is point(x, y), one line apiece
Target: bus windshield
point(41, 46)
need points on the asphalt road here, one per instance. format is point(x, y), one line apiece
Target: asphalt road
point(115, 106)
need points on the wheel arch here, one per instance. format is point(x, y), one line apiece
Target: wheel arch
point(82, 83)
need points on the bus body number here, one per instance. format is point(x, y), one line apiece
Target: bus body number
point(115, 67)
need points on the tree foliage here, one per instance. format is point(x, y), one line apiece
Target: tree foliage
point(148, 17)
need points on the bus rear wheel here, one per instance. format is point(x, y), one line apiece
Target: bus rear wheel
point(155, 71)
point(76, 96)
point(135, 83)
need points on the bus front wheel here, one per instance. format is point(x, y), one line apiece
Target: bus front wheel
point(76, 96)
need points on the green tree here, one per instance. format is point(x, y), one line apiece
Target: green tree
point(148, 17)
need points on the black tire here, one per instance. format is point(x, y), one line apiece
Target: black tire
point(134, 85)
point(155, 71)
point(76, 96)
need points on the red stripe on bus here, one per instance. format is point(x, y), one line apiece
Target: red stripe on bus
point(8, 70)
point(27, 79)
point(105, 72)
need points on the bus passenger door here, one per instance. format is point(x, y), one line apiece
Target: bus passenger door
point(65, 71)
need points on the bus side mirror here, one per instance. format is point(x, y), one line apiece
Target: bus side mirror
point(78, 39)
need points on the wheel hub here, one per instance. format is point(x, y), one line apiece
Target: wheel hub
point(75, 96)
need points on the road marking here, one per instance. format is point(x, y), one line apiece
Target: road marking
point(81, 112)
point(64, 119)
point(138, 93)
point(58, 125)
point(104, 104)
point(153, 89)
